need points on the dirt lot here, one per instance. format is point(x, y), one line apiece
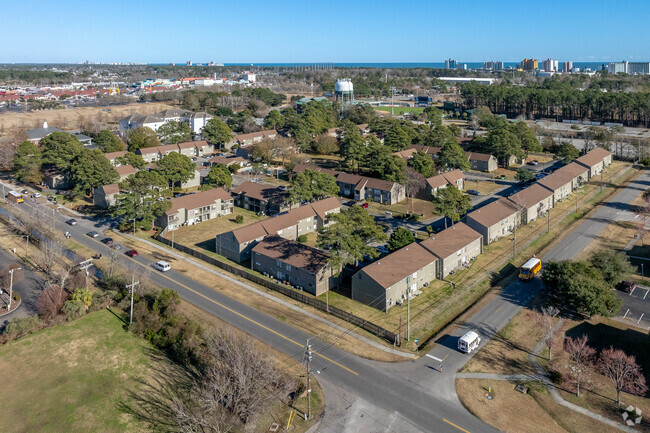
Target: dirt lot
point(73, 118)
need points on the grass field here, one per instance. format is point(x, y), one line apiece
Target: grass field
point(73, 118)
point(75, 377)
point(401, 110)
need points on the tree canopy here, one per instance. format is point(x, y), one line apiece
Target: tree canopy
point(400, 237)
point(61, 149)
point(141, 138)
point(565, 151)
point(274, 120)
point(173, 132)
point(217, 132)
point(27, 163)
point(422, 163)
point(453, 156)
point(131, 159)
point(503, 144)
point(312, 185)
point(176, 168)
point(580, 288)
point(219, 175)
point(348, 236)
point(529, 141)
point(91, 170)
point(524, 175)
point(613, 266)
point(141, 199)
point(451, 203)
point(108, 142)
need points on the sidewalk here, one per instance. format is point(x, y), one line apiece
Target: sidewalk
point(558, 397)
point(269, 297)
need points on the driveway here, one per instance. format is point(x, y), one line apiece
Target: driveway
point(636, 306)
point(29, 287)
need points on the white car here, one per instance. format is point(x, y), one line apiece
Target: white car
point(36, 195)
point(162, 266)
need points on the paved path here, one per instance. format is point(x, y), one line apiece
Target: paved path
point(534, 357)
point(492, 376)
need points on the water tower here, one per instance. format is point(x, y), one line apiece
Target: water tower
point(344, 91)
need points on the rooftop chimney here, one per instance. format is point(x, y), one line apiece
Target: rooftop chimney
point(45, 124)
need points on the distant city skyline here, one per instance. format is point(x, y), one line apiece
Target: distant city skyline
point(72, 31)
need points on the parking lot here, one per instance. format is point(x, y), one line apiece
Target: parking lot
point(636, 306)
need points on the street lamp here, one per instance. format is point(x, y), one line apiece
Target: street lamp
point(11, 285)
point(26, 244)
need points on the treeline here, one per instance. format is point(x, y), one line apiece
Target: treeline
point(560, 100)
point(32, 76)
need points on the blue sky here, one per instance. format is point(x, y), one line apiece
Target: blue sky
point(259, 31)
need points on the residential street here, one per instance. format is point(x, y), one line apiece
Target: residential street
point(407, 396)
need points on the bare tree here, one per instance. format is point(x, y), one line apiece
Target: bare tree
point(238, 383)
point(52, 253)
point(7, 153)
point(413, 183)
point(546, 326)
point(51, 301)
point(623, 371)
point(580, 366)
point(5, 277)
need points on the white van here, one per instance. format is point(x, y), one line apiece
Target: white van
point(162, 266)
point(469, 342)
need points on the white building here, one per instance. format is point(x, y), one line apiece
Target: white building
point(550, 65)
point(493, 65)
point(567, 67)
point(632, 68)
point(249, 76)
point(466, 80)
point(196, 121)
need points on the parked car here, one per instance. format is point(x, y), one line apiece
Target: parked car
point(36, 195)
point(539, 176)
point(162, 266)
point(533, 162)
point(503, 176)
point(626, 286)
point(389, 213)
point(131, 253)
point(473, 192)
point(25, 192)
point(382, 249)
point(365, 205)
point(108, 241)
point(72, 222)
point(93, 234)
point(350, 203)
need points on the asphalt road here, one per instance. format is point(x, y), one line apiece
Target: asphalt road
point(636, 306)
point(415, 393)
point(29, 287)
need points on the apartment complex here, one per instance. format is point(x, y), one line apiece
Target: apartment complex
point(190, 149)
point(293, 263)
point(257, 197)
point(454, 178)
point(495, 220)
point(455, 248)
point(195, 208)
point(237, 244)
point(196, 121)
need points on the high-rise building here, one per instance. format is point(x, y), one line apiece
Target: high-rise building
point(549, 65)
point(567, 67)
point(493, 66)
point(529, 64)
point(451, 64)
point(632, 68)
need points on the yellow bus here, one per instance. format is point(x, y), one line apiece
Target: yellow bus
point(530, 269)
point(15, 197)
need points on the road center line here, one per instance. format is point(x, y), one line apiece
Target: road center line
point(235, 312)
point(454, 425)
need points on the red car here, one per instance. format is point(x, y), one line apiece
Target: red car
point(365, 205)
point(131, 253)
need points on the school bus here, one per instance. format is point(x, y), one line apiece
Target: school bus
point(530, 269)
point(15, 197)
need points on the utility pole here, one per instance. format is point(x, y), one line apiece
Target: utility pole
point(308, 360)
point(133, 226)
point(173, 239)
point(131, 288)
point(11, 285)
point(514, 241)
point(408, 311)
point(548, 220)
point(85, 265)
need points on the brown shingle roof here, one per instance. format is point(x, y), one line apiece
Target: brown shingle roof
point(189, 144)
point(451, 240)
point(406, 154)
point(199, 199)
point(594, 156)
point(430, 150)
point(113, 155)
point(149, 150)
point(227, 160)
point(529, 197)
point(574, 169)
point(125, 170)
point(113, 188)
point(475, 156)
point(494, 212)
point(293, 253)
point(442, 179)
point(265, 134)
point(260, 192)
point(398, 265)
point(556, 180)
point(321, 207)
point(301, 168)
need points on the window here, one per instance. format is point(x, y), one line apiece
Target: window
point(288, 268)
point(278, 263)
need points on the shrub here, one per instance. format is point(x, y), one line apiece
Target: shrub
point(239, 219)
point(646, 161)
point(73, 310)
point(19, 327)
point(302, 239)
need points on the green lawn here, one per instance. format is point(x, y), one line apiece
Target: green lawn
point(401, 110)
point(75, 377)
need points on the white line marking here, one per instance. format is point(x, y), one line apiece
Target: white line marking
point(646, 293)
point(632, 291)
point(433, 357)
point(640, 318)
point(628, 310)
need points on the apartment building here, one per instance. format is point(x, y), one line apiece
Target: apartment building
point(455, 248)
point(495, 220)
point(258, 197)
point(195, 208)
